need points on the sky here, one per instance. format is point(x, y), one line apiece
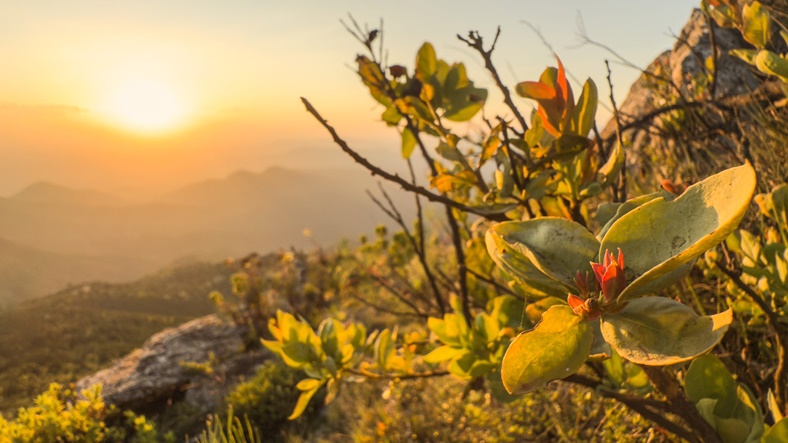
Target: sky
point(145, 96)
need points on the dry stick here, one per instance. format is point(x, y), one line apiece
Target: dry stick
point(495, 284)
point(772, 321)
point(459, 253)
point(714, 55)
point(393, 291)
point(620, 194)
point(475, 41)
point(652, 410)
point(372, 375)
point(395, 215)
point(386, 310)
point(666, 384)
point(395, 178)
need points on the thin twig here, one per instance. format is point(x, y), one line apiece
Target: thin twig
point(495, 284)
point(652, 410)
point(418, 246)
point(395, 178)
point(474, 40)
point(373, 375)
point(620, 194)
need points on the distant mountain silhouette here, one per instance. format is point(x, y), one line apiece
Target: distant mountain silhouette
point(45, 192)
point(27, 272)
point(70, 232)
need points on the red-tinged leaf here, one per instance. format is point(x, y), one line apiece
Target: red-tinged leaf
point(564, 89)
point(535, 90)
point(547, 124)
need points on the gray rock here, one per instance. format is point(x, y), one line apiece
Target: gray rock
point(150, 377)
point(676, 77)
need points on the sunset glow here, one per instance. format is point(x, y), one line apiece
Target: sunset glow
point(146, 106)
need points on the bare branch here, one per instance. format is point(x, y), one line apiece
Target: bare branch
point(395, 178)
point(474, 40)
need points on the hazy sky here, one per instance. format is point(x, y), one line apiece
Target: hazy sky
point(151, 94)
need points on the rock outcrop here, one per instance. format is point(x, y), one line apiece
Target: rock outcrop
point(164, 370)
point(675, 78)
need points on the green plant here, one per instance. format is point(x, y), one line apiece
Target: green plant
point(267, 399)
point(232, 431)
point(60, 415)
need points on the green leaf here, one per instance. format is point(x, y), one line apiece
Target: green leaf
point(426, 62)
point(296, 354)
point(774, 408)
point(532, 281)
point(707, 377)
point(778, 433)
point(442, 353)
point(309, 384)
point(556, 348)
point(756, 25)
point(408, 143)
point(730, 430)
point(612, 167)
point(770, 63)
point(613, 212)
point(661, 236)
point(535, 310)
point(585, 112)
point(725, 16)
point(748, 55)
point(302, 403)
point(464, 103)
point(391, 115)
point(557, 247)
point(657, 331)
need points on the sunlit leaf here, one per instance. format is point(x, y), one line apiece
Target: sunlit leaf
point(612, 167)
point(442, 353)
point(557, 247)
point(748, 55)
point(707, 377)
point(771, 63)
point(426, 62)
point(778, 433)
point(657, 331)
point(730, 430)
point(302, 403)
point(535, 90)
point(556, 348)
point(662, 236)
point(756, 24)
point(585, 112)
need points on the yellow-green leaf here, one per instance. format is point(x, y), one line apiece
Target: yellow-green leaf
point(657, 331)
point(557, 247)
point(426, 62)
point(778, 433)
point(309, 384)
point(756, 24)
point(302, 403)
point(555, 349)
point(585, 112)
point(408, 143)
point(707, 377)
point(770, 63)
point(442, 353)
point(661, 238)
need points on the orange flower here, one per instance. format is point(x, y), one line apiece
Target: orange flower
point(610, 276)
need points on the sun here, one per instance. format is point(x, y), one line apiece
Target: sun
point(146, 106)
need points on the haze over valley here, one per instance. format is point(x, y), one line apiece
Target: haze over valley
point(53, 235)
